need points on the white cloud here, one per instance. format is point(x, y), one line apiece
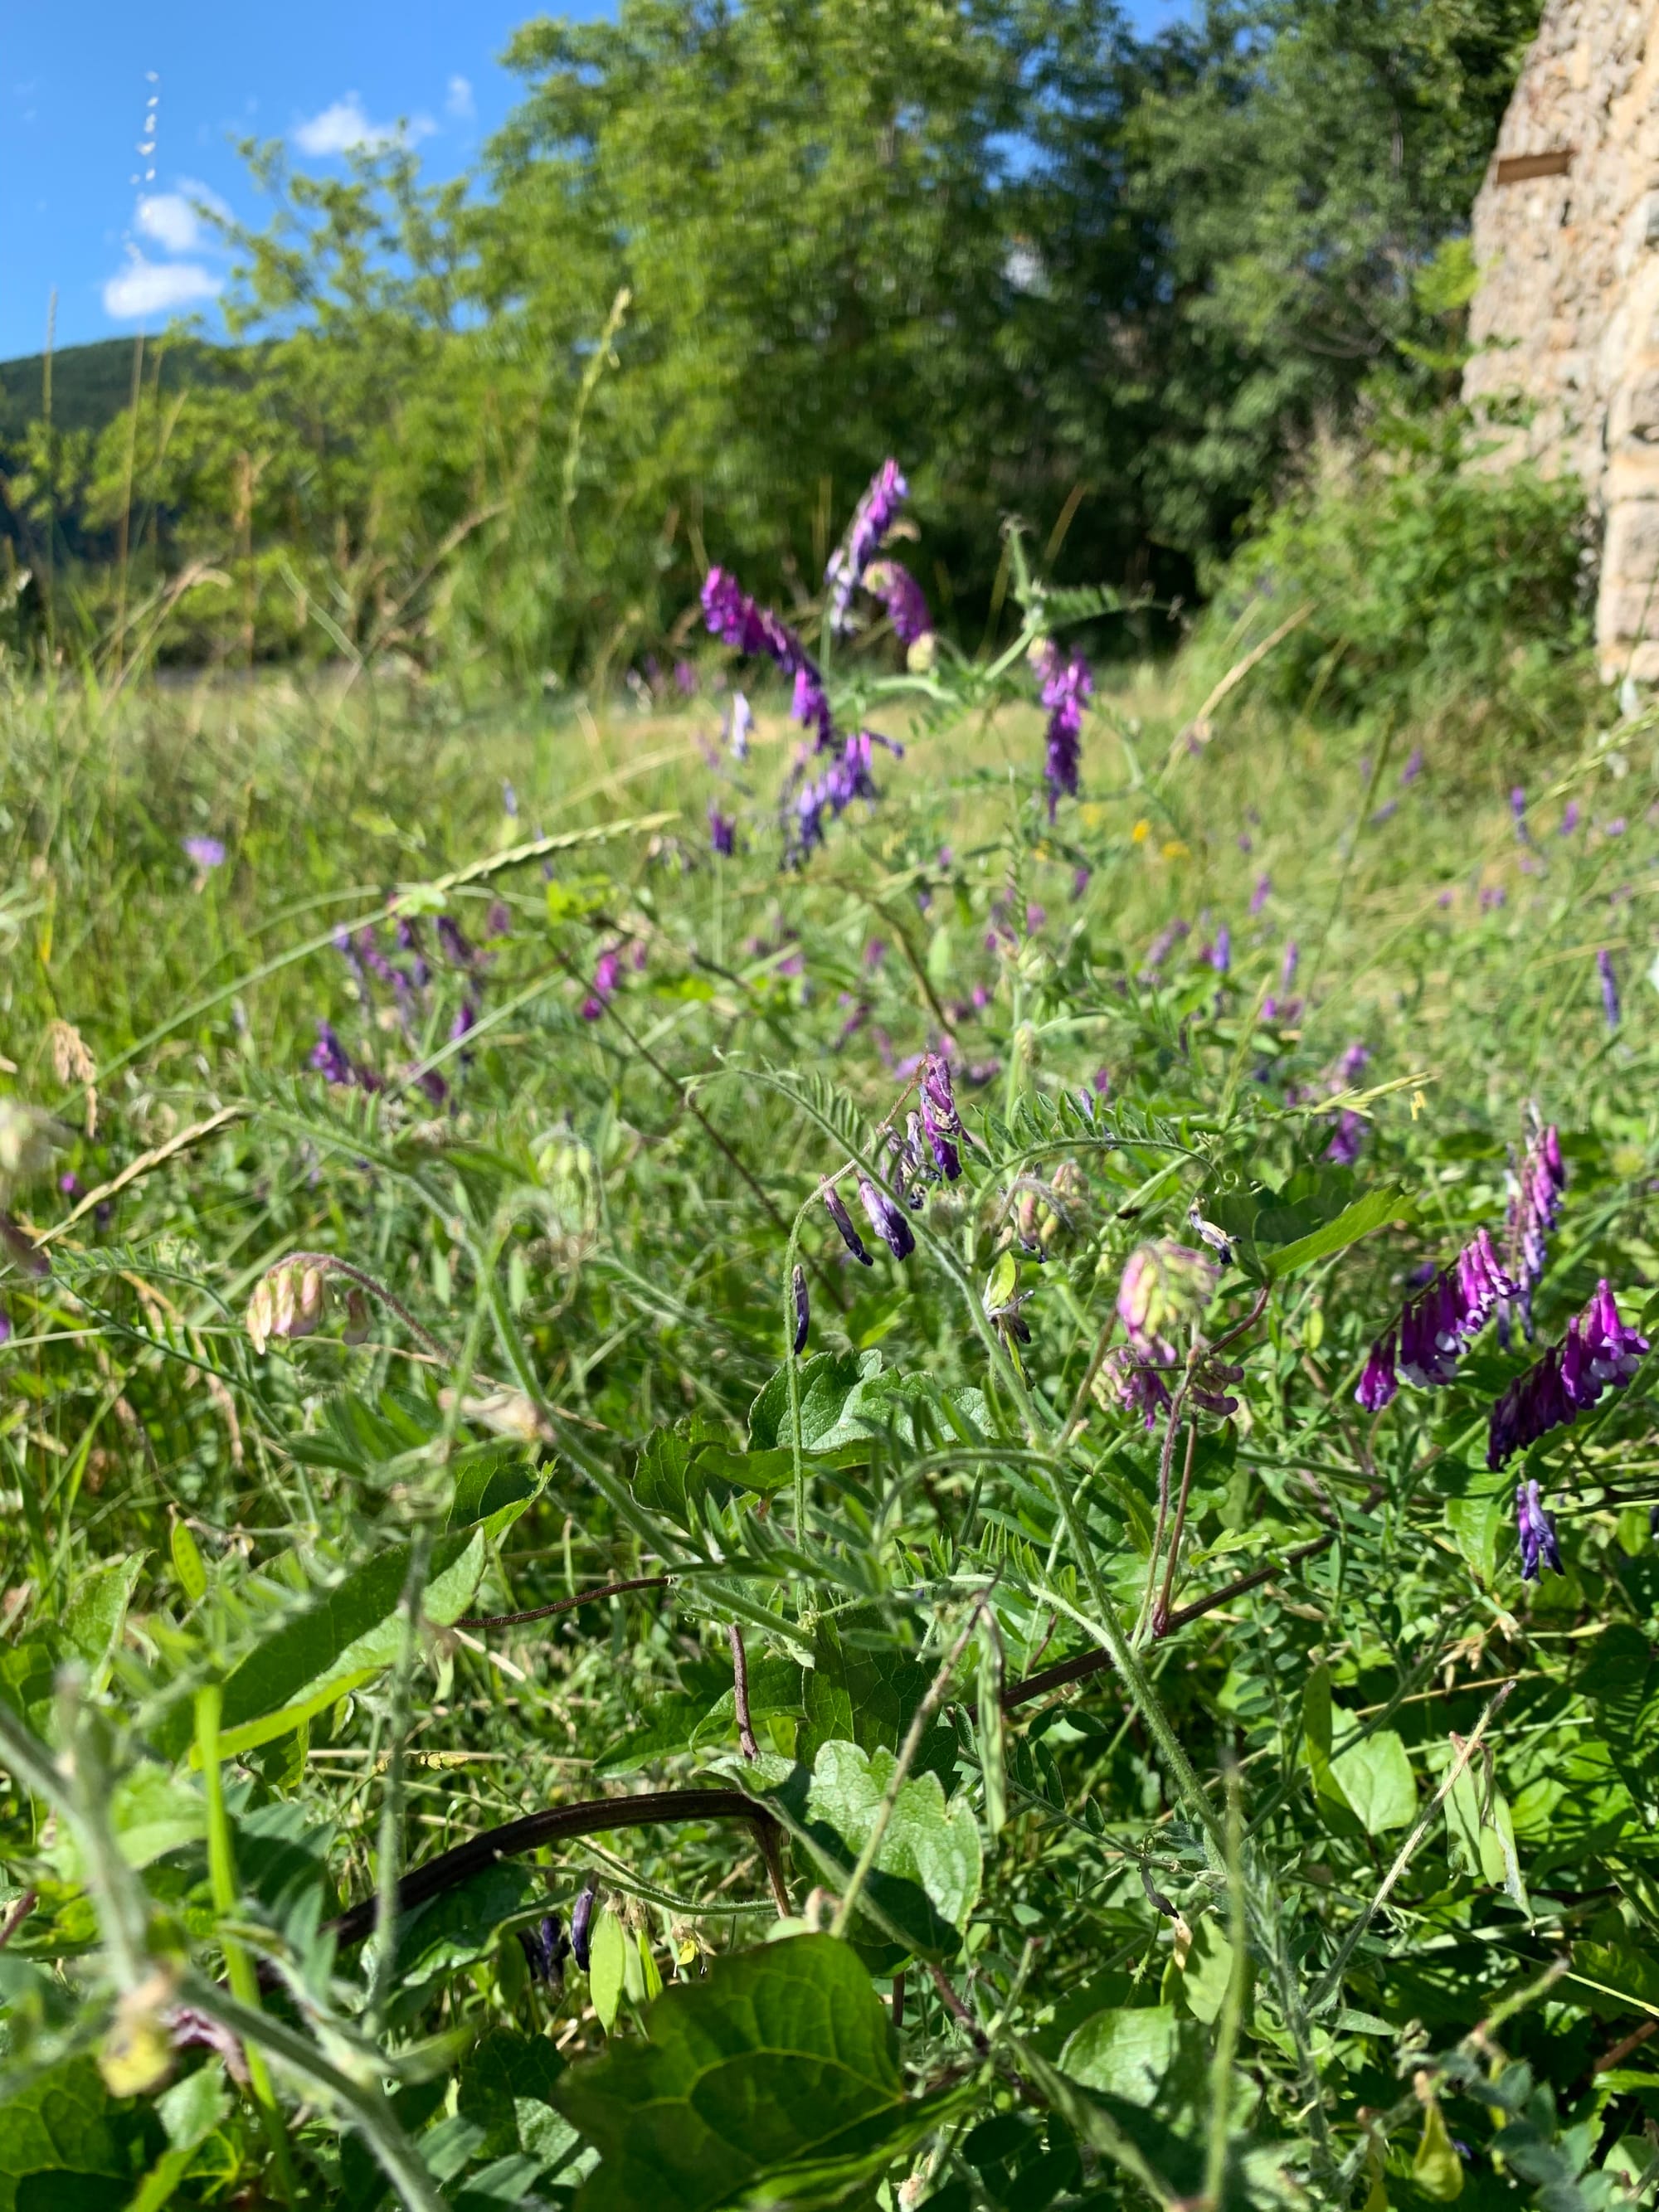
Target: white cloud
point(144, 288)
point(171, 221)
point(458, 104)
point(344, 128)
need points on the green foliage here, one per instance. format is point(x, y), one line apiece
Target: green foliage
point(1432, 586)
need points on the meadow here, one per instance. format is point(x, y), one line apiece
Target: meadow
point(540, 1665)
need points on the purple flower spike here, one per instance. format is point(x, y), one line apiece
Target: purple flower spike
point(904, 600)
point(1536, 1530)
point(1518, 809)
point(872, 518)
point(849, 1235)
point(1288, 966)
point(329, 1057)
point(741, 722)
point(1067, 686)
point(1379, 1382)
point(803, 1312)
point(5, 1326)
point(939, 1118)
point(455, 946)
point(1568, 817)
point(1609, 987)
point(722, 830)
point(1132, 1378)
point(1261, 893)
point(886, 1219)
point(1413, 766)
point(1535, 1191)
point(1220, 954)
point(204, 853)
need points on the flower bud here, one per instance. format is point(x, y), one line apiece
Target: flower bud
point(288, 1303)
point(1165, 1287)
point(357, 1319)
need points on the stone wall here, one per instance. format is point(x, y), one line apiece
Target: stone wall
point(1566, 319)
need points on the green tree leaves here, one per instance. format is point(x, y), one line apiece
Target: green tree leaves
point(777, 2075)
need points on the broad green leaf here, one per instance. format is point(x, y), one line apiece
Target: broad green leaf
point(926, 1841)
point(1478, 1525)
point(1356, 1221)
point(1375, 1779)
point(463, 1923)
point(502, 2070)
point(1126, 2050)
point(1480, 1835)
point(898, 1906)
point(860, 1689)
point(847, 1398)
point(96, 1614)
point(607, 1966)
point(774, 2079)
point(75, 2144)
point(1207, 1972)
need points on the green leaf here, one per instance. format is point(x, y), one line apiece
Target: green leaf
point(1375, 1779)
point(859, 1689)
point(607, 1966)
point(897, 1904)
point(96, 1614)
point(1355, 1221)
point(926, 1841)
point(463, 1924)
point(501, 2071)
point(852, 1397)
point(775, 2079)
point(1126, 2050)
point(190, 2111)
point(1480, 1835)
point(64, 2123)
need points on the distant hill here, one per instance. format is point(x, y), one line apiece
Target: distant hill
point(91, 383)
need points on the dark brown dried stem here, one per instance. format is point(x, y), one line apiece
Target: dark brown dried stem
point(746, 1742)
point(560, 1824)
point(562, 1605)
point(15, 1919)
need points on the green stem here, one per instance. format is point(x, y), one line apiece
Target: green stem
point(239, 1967)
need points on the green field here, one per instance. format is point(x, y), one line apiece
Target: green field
point(1214, 1915)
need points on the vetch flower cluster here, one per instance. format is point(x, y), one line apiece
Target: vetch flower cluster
point(928, 1151)
point(1599, 1352)
point(1536, 1198)
point(1067, 687)
point(1164, 1289)
point(872, 517)
point(1435, 1326)
point(1536, 1531)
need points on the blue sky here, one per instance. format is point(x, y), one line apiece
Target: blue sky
point(114, 117)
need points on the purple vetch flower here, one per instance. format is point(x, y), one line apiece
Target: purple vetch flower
point(733, 615)
point(1386, 812)
point(545, 1948)
point(1246, 842)
point(904, 600)
point(1379, 1382)
point(1535, 1199)
point(329, 1057)
point(940, 1117)
point(1288, 965)
point(455, 946)
point(1164, 1287)
point(1600, 1351)
point(1493, 897)
point(845, 780)
point(1569, 818)
point(466, 1021)
point(1261, 893)
point(886, 1219)
point(872, 517)
point(1348, 1139)
point(1609, 987)
point(1133, 1380)
point(1536, 1530)
point(722, 830)
point(509, 800)
point(1082, 876)
point(1036, 915)
point(1162, 944)
point(1615, 827)
point(1518, 809)
point(204, 853)
point(843, 1221)
point(803, 1312)
point(1220, 954)
point(739, 726)
point(581, 1922)
point(1067, 686)
point(1413, 766)
point(685, 679)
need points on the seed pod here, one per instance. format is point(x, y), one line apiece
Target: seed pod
point(849, 1235)
point(803, 1312)
point(581, 1922)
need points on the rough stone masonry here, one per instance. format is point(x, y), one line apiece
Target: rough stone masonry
point(1566, 317)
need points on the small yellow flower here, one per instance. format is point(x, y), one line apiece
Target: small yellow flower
point(1176, 849)
point(1142, 830)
